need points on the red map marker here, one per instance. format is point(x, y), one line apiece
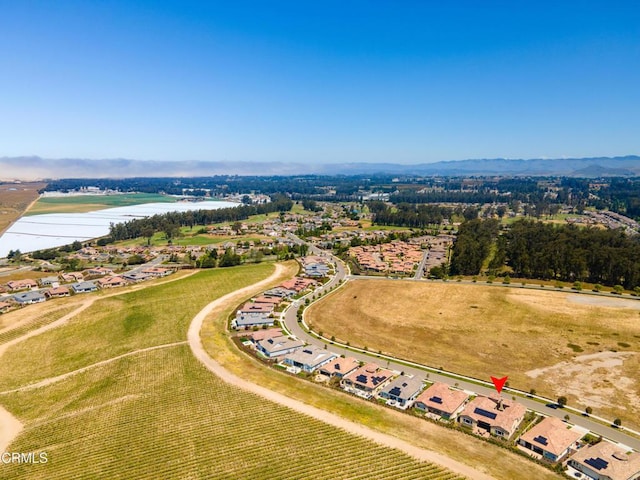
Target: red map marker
point(499, 383)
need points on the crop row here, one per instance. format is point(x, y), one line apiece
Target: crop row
point(22, 329)
point(160, 415)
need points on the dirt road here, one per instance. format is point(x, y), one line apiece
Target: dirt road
point(10, 427)
point(197, 348)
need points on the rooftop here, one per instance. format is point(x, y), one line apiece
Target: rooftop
point(488, 410)
point(552, 435)
point(607, 459)
point(441, 397)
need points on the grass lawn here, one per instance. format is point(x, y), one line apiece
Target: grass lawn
point(499, 463)
point(160, 414)
point(89, 203)
point(482, 330)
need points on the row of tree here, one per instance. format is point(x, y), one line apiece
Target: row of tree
point(473, 245)
point(569, 253)
point(409, 215)
point(549, 252)
point(170, 223)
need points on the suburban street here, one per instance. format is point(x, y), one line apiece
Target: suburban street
point(575, 417)
point(420, 271)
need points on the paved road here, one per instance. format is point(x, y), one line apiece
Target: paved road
point(420, 271)
point(290, 320)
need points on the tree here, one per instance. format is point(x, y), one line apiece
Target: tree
point(588, 410)
point(237, 227)
point(229, 259)
point(617, 422)
point(147, 233)
point(562, 401)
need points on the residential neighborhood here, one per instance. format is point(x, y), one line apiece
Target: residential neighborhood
point(546, 439)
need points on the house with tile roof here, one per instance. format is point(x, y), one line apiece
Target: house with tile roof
point(367, 380)
point(339, 367)
point(440, 399)
point(552, 438)
point(498, 416)
point(606, 461)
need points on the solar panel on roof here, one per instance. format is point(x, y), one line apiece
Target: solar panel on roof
point(436, 399)
point(541, 440)
point(597, 463)
point(361, 378)
point(485, 413)
point(395, 391)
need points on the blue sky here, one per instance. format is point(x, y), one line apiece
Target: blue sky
point(319, 82)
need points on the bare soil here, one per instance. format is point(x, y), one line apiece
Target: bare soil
point(481, 330)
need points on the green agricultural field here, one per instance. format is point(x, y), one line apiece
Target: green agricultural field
point(119, 324)
point(159, 413)
point(497, 462)
point(89, 203)
point(10, 333)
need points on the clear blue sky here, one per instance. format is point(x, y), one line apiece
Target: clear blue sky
point(319, 81)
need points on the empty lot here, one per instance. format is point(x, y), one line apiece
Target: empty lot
point(482, 330)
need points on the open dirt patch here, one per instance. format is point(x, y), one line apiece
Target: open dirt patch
point(604, 301)
point(482, 330)
point(10, 427)
point(594, 379)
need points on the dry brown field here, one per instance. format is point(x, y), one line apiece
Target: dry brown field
point(15, 198)
point(497, 462)
point(558, 343)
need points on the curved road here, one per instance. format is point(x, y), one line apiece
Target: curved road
point(200, 353)
point(289, 318)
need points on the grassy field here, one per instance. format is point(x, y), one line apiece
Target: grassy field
point(159, 239)
point(8, 333)
point(497, 462)
point(119, 324)
point(483, 330)
point(89, 203)
point(160, 414)
point(14, 200)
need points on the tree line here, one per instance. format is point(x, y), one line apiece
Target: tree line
point(170, 223)
point(569, 253)
point(408, 215)
point(549, 252)
point(472, 246)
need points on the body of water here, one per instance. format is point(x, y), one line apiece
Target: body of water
point(56, 229)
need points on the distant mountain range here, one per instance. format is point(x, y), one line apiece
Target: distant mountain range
point(36, 168)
